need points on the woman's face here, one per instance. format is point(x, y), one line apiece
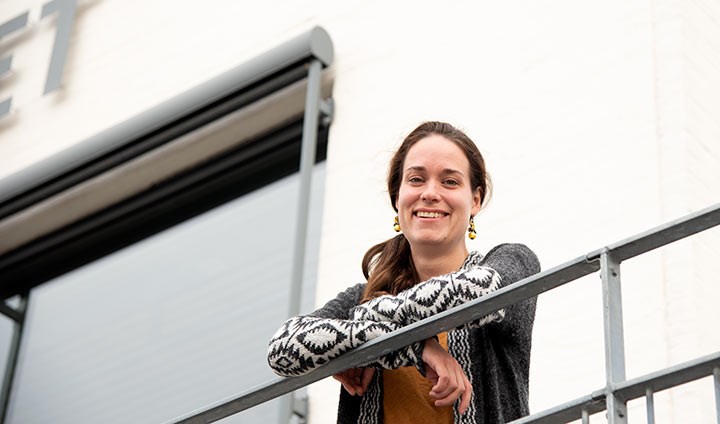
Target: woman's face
point(435, 200)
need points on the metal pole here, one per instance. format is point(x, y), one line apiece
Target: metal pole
point(614, 339)
point(307, 161)
point(650, 405)
point(716, 375)
point(13, 356)
point(585, 417)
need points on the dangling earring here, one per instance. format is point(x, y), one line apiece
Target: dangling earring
point(396, 225)
point(471, 229)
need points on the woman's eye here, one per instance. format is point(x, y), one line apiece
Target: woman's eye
point(451, 182)
point(415, 180)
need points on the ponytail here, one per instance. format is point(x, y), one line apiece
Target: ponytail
point(388, 268)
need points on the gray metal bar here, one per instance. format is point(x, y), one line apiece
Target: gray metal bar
point(9, 312)
point(650, 405)
point(567, 412)
point(13, 355)
point(315, 44)
point(614, 340)
point(307, 162)
point(632, 389)
point(663, 234)
point(585, 416)
point(528, 287)
point(669, 377)
point(716, 378)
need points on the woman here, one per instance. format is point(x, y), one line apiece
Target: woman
point(477, 373)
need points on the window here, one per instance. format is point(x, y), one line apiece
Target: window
point(159, 253)
point(170, 324)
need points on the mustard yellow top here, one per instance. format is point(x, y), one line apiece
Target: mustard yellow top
point(406, 398)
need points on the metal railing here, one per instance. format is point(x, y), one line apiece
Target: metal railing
point(613, 397)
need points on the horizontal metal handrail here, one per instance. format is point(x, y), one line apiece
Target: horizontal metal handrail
point(661, 235)
point(567, 412)
point(669, 377)
point(412, 333)
point(524, 289)
point(628, 390)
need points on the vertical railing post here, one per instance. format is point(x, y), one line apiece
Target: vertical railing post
point(650, 405)
point(307, 161)
point(716, 379)
point(585, 416)
point(614, 339)
point(13, 355)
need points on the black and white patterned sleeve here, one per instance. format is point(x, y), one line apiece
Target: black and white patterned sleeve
point(303, 343)
point(435, 295)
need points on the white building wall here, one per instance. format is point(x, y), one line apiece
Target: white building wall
point(583, 113)
point(687, 55)
point(597, 121)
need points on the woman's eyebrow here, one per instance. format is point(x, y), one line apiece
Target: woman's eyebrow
point(418, 168)
point(451, 171)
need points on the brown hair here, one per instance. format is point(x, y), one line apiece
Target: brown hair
point(388, 266)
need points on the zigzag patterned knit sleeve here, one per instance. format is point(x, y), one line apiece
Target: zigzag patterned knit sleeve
point(306, 342)
point(433, 296)
point(303, 343)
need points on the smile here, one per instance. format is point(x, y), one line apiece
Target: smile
point(424, 214)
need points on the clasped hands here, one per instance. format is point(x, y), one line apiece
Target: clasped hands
point(449, 380)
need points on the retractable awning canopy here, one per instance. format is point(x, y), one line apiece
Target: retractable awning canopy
point(206, 146)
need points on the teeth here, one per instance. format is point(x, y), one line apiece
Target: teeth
point(429, 214)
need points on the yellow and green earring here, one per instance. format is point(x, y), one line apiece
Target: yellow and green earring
point(471, 229)
point(396, 225)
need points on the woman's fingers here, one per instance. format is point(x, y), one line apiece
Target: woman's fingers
point(355, 380)
point(354, 375)
point(466, 396)
point(435, 359)
point(365, 379)
point(449, 395)
point(462, 392)
point(444, 366)
point(450, 381)
point(447, 383)
point(345, 381)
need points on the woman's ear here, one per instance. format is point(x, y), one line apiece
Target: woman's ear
point(477, 201)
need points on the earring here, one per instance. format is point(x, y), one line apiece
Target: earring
point(396, 225)
point(471, 229)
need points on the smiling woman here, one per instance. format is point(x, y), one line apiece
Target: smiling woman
point(436, 200)
point(477, 373)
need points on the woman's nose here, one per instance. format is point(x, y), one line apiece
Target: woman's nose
point(430, 193)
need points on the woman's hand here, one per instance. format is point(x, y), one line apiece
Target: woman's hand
point(448, 377)
point(355, 380)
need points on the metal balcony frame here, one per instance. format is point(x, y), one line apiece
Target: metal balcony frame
point(613, 397)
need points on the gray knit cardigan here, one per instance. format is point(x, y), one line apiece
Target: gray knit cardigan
point(494, 351)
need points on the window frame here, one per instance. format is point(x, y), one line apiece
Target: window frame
point(275, 152)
